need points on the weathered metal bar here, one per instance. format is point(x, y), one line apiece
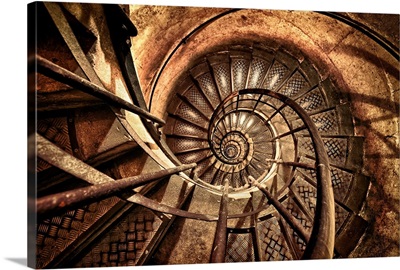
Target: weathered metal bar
point(63, 75)
point(288, 236)
point(65, 30)
point(121, 30)
point(251, 113)
point(70, 254)
point(70, 164)
point(158, 237)
point(190, 104)
point(258, 101)
point(219, 246)
point(237, 102)
point(70, 198)
point(287, 133)
point(276, 112)
point(191, 150)
point(163, 208)
point(48, 102)
point(166, 209)
point(322, 239)
point(290, 219)
point(292, 163)
point(179, 118)
point(323, 221)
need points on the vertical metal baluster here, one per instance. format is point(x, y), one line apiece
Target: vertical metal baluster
point(219, 246)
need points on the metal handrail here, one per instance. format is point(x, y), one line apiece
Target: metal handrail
point(71, 198)
point(323, 233)
point(63, 75)
point(321, 240)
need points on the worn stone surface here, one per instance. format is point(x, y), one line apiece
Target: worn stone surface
point(160, 30)
point(188, 236)
point(273, 28)
point(385, 25)
point(372, 79)
point(194, 240)
point(98, 131)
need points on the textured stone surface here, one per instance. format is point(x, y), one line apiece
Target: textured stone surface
point(372, 79)
point(160, 30)
point(188, 236)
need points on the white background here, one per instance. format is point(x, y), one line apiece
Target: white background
point(13, 125)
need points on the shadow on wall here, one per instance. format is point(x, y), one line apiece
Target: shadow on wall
point(390, 107)
point(373, 59)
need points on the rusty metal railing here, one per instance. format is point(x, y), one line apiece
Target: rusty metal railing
point(320, 241)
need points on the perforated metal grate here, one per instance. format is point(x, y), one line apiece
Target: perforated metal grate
point(295, 85)
point(191, 115)
point(219, 177)
point(123, 244)
point(236, 181)
point(182, 128)
point(341, 216)
point(306, 146)
point(208, 175)
point(300, 243)
point(307, 192)
point(239, 70)
point(326, 122)
point(202, 166)
point(198, 101)
point(208, 87)
point(297, 213)
point(336, 149)
point(183, 144)
point(312, 101)
point(255, 126)
point(194, 156)
point(58, 232)
point(258, 70)
point(341, 181)
point(253, 171)
point(272, 243)
point(223, 78)
point(289, 113)
point(56, 131)
point(240, 248)
point(275, 76)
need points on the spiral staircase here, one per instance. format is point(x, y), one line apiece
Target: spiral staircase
point(238, 135)
point(256, 157)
